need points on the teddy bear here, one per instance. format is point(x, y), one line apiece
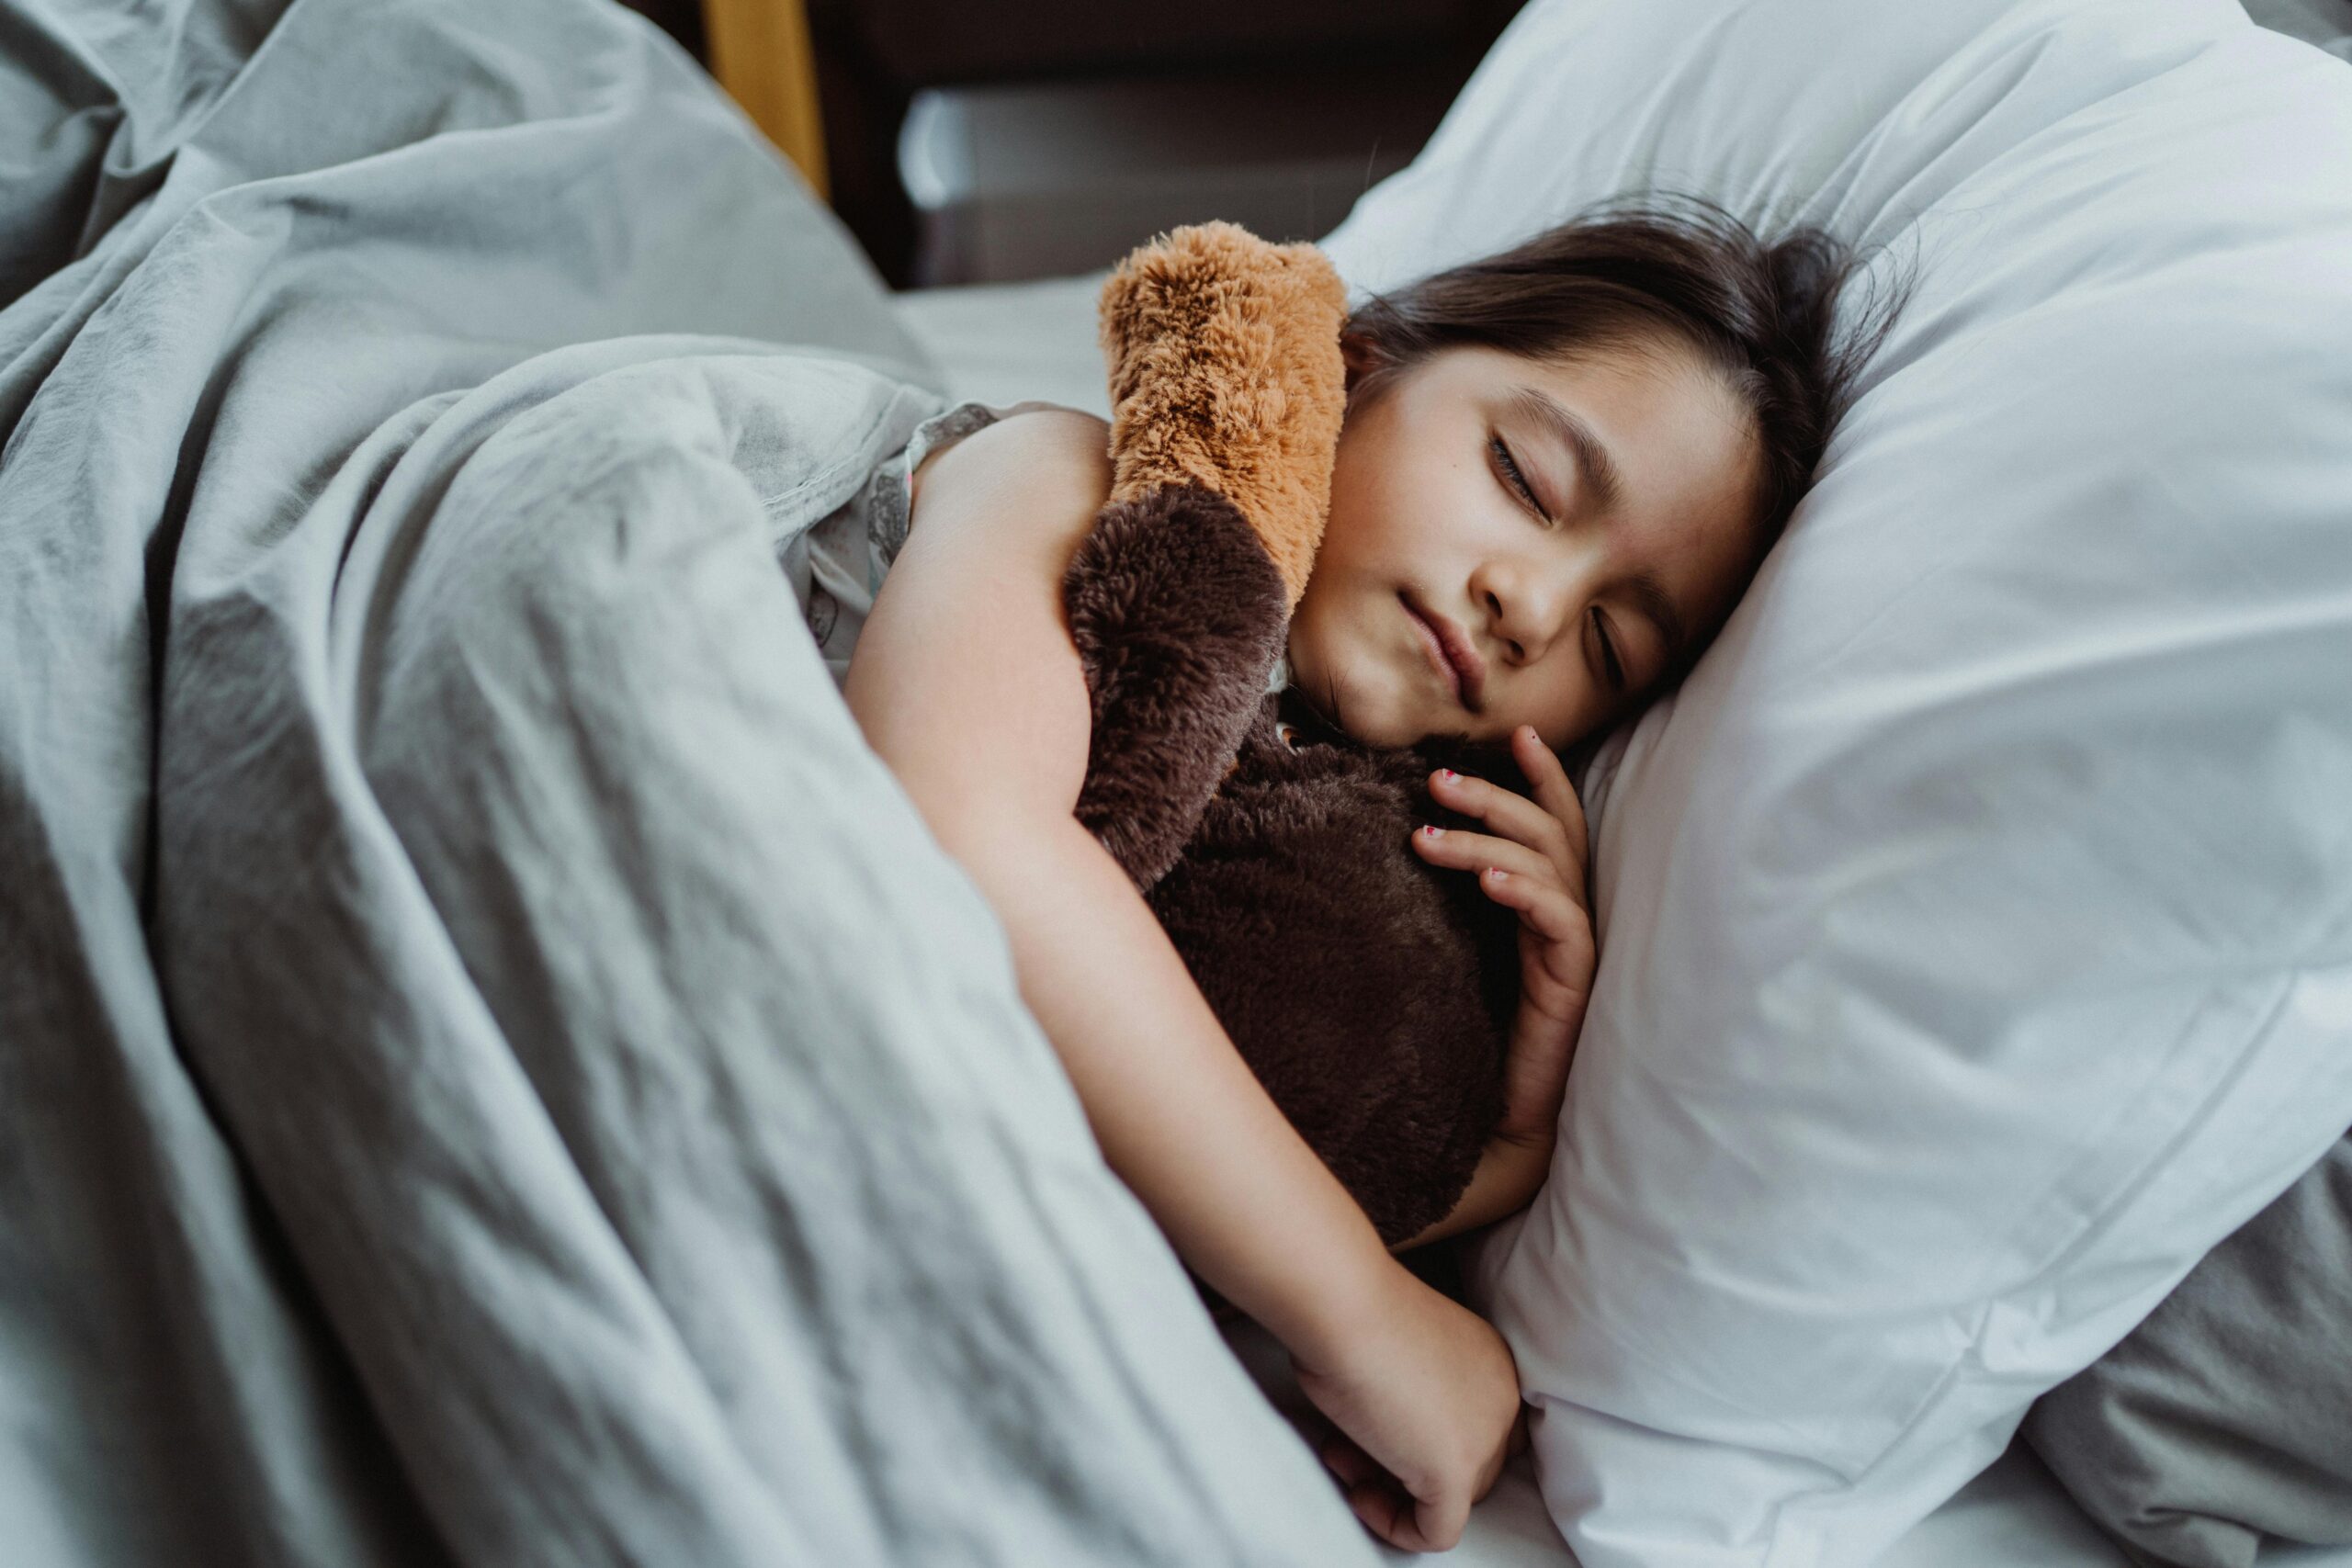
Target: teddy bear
point(1370, 993)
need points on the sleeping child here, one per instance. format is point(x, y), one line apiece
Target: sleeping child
point(1557, 471)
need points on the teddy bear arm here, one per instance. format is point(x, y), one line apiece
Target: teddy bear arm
point(1179, 617)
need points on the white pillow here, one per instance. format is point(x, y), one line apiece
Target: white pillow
point(1977, 924)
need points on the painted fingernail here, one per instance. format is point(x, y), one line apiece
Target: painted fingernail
point(1433, 831)
point(1448, 775)
point(1497, 873)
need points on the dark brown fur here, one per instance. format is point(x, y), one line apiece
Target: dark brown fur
point(1178, 614)
point(1371, 994)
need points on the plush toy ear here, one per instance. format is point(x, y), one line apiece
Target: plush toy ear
point(1226, 373)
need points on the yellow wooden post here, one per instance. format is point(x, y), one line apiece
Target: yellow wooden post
point(760, 52)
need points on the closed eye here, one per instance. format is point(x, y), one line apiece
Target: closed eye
point(1609, 661)
point(1513, 478)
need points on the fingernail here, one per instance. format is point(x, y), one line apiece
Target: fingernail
point(1448, 775)
point(1497, 873)
point(1433, 831)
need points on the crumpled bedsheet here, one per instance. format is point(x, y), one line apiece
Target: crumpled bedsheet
point(492, 1069)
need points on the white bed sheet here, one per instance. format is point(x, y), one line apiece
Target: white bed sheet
point(1002, 342)
point(2014, 1515)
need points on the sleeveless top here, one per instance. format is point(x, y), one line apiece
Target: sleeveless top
point(836, 564)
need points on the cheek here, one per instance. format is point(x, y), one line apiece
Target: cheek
point(1371, 545)
point(1316, 641)
point(1343, 568)
point(1373, 496)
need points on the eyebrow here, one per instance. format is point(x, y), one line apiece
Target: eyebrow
point(1591, 457)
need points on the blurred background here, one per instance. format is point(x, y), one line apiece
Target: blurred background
point(996, 140)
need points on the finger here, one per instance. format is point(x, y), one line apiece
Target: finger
point(1439, 1523)
point(1507, 812)
point(1463, 850)
point(1391, 1513)
point(1543, 906)
point(1378, 1506)
point(1553, 791)
point(1344, 1458)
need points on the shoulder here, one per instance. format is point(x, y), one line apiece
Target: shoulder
point(966, 680)
point(1049, 454)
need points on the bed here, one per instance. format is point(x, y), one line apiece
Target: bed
point(2014, 1514)
point(426, 1137)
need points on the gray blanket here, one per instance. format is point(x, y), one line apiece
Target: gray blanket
point(2224, 1423)
point(491, 1068)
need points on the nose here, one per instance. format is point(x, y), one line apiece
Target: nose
point(1528, 605)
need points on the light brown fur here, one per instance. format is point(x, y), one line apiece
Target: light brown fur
point(1226, 372)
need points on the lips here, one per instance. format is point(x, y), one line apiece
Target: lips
point(1450, 654)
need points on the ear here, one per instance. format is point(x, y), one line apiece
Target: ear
point(1363, 363)
point(1358, 355)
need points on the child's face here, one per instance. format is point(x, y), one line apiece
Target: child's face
point(1570, 606)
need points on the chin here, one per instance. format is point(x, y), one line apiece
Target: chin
point(1369, 717)
point(1372, 723)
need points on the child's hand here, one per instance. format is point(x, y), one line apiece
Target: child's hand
point(1533, 863)
point(1425, 1398)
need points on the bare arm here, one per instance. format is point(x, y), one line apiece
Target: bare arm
point(965, 682)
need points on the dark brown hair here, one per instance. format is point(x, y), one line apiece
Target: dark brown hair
point(1761, 312)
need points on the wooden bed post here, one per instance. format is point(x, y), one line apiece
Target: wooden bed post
point(761, 54)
